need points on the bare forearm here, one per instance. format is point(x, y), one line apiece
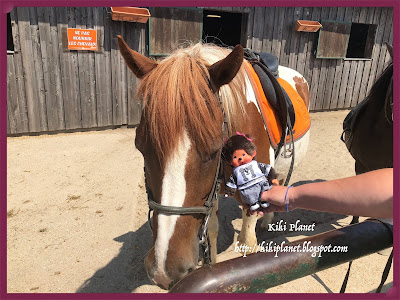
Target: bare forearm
point(369, 194)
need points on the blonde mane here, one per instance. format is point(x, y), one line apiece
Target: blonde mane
point(177, 95)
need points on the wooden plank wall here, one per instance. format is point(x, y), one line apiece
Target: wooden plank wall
point(173, 28)
point(334, 83)
point(53, 89)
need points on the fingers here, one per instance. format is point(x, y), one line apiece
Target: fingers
point(274, 208)
point(269, 209)
point(258, 212)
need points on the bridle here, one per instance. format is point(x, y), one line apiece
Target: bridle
point(208, 206)
point(205, 210)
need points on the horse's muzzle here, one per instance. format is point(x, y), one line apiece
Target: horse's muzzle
point(163, 278)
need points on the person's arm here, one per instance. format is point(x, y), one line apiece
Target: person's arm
point(369, 195)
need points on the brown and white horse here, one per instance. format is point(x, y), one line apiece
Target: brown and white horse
point(180, 136)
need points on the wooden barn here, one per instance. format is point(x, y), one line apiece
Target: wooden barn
point(65, 72)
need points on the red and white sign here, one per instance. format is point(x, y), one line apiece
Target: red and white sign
point(82, 39)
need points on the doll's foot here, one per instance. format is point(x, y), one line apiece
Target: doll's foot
point(264, 204)
point(255, 206)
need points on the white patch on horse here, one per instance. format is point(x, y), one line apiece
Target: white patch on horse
point(272, 156)
point(288, 74)
point(173, 194)
point(282, 163)
point(250, 95)
point(251, 98)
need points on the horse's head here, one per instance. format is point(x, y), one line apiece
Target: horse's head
point(180, 137)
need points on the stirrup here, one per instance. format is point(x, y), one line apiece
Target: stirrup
point(288, 146)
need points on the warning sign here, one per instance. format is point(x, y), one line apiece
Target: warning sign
point(82, 39)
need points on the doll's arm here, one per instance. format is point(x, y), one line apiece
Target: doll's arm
point(231, 186)
point(265, 168)
point(273, 177)
point(229, 191)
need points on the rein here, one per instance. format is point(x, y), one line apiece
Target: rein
point(207, 207)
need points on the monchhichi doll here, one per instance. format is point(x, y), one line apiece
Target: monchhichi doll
point(250, 177)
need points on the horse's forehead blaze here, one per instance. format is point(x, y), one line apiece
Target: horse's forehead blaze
point(173, 193)
point(302, 88)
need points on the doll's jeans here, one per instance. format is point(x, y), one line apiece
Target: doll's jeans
point(252, 194)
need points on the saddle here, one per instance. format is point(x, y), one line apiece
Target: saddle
point(277, 108)
point(266, 67)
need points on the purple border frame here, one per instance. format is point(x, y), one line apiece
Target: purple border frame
point(7, 5)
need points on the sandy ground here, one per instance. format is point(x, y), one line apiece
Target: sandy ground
point(77, 213)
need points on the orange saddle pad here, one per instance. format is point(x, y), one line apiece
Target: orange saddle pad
point(271, 120)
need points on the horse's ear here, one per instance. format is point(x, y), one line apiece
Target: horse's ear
point(390, 49)
point(223, 71)
point(138, 63)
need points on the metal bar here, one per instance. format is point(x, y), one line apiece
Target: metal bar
point(259, 271)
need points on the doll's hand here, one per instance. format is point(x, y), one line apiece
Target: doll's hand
point(275, 181)
point(229, 191)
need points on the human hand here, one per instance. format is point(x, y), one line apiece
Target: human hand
point(276, 198)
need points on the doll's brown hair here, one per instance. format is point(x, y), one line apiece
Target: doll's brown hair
point(236, 142)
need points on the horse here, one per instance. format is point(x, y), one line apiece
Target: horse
point(191, 99)
point(369, 137)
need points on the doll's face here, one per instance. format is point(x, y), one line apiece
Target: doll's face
point(241, 157)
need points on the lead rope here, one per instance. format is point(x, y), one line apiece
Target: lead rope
point(385, 271)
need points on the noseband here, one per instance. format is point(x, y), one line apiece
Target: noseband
point(208, 206)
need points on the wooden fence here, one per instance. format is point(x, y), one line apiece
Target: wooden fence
point(53, 89)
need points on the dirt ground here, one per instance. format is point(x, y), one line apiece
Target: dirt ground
point(77, 213)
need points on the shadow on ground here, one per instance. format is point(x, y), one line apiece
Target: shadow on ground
point(125, 272)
